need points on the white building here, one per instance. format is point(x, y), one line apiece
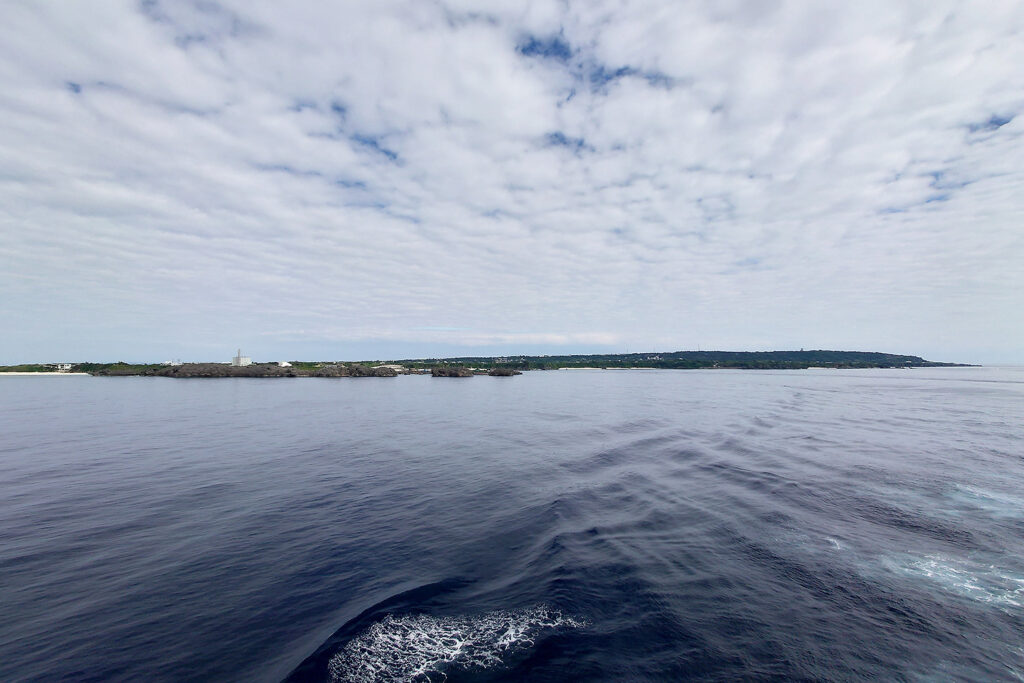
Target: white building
point(240, 360)
point(63, 367)
point(283, 364)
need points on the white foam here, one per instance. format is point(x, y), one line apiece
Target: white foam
point(981, 582)
point(421, 647)
point(995, 503)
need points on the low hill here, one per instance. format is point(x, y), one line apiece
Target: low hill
point(687, 360)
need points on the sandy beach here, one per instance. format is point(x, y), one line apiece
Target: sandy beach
point(45, 374)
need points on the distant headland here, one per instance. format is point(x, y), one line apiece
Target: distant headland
point(468, 366)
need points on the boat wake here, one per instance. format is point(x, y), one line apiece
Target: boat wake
point(420, 647)
point(984, 583)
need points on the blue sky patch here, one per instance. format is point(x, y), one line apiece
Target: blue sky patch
point(994, 122)
point(560, 139)
point(289, 170)
point(601, 75)
point(373, 144)
point(554, 47)
point(339, 110)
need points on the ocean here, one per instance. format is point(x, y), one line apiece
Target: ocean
point(556, 526)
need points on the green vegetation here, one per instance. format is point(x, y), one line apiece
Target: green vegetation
point(122, 369)
point(687, 360)
point(460, 367)
point(305, 365)
point(119, 368)
point(34, 367)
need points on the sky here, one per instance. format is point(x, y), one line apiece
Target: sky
point(379, 180)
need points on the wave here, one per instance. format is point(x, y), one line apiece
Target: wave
point(986, 583)
point(422, 647)
point(994, 503)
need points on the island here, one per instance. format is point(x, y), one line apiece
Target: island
point(495, 366)
point(681, 360)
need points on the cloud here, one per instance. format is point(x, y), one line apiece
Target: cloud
point(185, 176)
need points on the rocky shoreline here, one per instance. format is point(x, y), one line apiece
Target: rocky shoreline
point(461, 371)
point(198, 370)
point(213, 370)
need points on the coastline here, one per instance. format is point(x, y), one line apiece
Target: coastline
point(44, 374)
point(496, 365)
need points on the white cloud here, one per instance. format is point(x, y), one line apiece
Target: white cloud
point(179, 177)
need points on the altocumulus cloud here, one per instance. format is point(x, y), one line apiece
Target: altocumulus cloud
point(406, 178)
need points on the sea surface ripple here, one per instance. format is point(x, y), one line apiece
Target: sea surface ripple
point(592, 525)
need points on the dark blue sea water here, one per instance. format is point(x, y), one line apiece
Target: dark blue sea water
point(604, 525)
